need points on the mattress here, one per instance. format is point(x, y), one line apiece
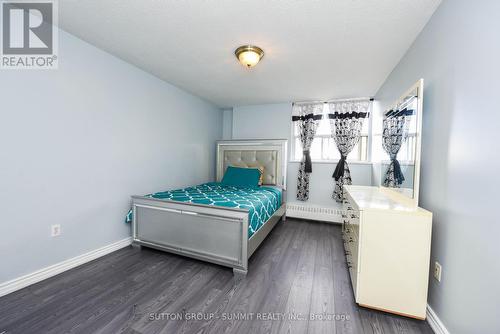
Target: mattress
point(261, 202)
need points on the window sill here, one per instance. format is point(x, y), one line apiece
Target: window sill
point(334, 162)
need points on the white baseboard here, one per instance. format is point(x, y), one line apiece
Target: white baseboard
point(40, 275)
point(435, 323)
point(314, 212)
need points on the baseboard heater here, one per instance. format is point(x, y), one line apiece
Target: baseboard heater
point(313, 212)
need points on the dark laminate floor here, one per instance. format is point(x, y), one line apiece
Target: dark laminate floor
point(299, 269)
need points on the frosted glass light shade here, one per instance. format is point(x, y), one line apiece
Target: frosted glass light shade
point(249, 55)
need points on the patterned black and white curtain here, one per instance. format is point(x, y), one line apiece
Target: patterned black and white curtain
point(346, 123)
point(395, 132)
point(307, 118)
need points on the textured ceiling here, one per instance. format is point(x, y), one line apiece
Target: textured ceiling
point(313, 49)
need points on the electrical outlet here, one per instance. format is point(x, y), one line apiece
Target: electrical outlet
point(55, 230)
point(437, 271)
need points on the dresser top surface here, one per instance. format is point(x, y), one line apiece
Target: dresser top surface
point(376, 198)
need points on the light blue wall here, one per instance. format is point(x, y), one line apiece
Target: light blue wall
point(227, 124)
point(458, 55)
point(274, 121)
point(262, 121)
point(78, 141)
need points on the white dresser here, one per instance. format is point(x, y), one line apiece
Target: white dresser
point(387, 242)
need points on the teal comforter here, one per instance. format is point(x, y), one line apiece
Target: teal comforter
point(261, 202)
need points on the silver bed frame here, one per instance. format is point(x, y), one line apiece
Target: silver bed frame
point(211, 233)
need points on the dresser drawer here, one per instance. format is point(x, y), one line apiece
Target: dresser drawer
point(354, 226)
point(352, 248)
point(353, 272)
point(351, 210)
point(351, 223)
point(351, 220)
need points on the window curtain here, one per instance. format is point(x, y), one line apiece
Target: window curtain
point(346, 122)
point(395, 133)
point(307, 118)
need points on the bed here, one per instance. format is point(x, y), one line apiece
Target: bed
point(215, 222)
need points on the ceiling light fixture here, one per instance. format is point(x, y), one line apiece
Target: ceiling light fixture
point(249, 55)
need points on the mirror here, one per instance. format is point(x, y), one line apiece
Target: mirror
point(397, 133)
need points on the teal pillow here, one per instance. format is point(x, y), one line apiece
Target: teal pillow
point(241, 177)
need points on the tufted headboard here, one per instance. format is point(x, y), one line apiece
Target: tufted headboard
point(268, 153)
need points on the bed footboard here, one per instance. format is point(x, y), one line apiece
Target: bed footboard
point(213, 234)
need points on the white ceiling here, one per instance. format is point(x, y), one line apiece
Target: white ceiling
point(316, 49)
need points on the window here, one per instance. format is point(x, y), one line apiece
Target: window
point(323, 147)
point(407, 152)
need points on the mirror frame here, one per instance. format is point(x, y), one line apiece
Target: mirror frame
point(419, 87)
